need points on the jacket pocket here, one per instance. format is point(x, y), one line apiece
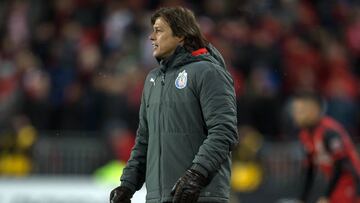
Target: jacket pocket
point(177, 156)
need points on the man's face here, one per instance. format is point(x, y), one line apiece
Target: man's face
point(305, 113)
point(163, 41)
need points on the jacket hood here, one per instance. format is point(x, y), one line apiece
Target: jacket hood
point(216, 55)
point(182, 57)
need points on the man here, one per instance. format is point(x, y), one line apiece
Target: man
point(328, 148)
point(187, 125)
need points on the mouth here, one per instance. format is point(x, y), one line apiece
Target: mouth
point(154, 46)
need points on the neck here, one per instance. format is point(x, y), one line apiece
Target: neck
point(165, 60)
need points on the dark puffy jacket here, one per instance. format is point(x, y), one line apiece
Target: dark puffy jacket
point(187, 120)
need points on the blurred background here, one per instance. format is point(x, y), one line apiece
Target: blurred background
point(72, 72)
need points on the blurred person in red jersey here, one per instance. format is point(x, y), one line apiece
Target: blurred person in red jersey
point(328, 148)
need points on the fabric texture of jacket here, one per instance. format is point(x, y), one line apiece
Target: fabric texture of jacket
point(187, 119)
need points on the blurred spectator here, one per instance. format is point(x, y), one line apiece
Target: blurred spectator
point(121, 142)
point(353, 37)
point(18, 24)
point(10, 96)
point(36, 86)
point(118, 18)
point(15, 147)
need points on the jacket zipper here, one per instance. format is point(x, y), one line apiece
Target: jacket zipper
point(160, 121)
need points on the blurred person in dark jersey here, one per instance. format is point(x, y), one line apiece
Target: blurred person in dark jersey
point(329, 150)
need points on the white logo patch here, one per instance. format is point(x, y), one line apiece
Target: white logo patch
point(152, 80)
point(181, 80)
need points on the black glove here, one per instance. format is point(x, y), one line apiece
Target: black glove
point(187, 189)
point(121, 194)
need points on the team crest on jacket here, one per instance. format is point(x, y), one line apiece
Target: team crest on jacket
point(181, 80)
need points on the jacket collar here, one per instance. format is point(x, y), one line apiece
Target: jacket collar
point(179, 56)
point(199, 52)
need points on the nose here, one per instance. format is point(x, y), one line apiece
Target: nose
point(151, 36)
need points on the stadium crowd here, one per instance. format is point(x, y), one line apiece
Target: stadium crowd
point(79, 65)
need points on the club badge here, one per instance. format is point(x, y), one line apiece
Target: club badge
point(181, 80)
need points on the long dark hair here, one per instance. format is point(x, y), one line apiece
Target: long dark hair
point(183, 24)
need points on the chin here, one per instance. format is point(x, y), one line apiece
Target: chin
point(156, 55)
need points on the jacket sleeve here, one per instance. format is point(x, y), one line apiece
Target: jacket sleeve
point(218, 104)
point(133, 176)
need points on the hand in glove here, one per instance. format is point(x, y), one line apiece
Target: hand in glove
point(121, 194)
point(187, 189)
